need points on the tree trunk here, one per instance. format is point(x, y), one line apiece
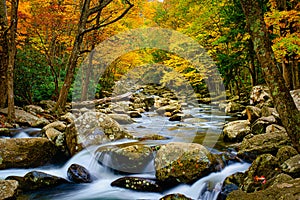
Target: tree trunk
point(284, 103)
point(11, 62)
point(3, 53)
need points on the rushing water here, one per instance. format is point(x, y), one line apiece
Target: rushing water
point(205, 128)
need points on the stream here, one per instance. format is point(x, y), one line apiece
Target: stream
point(205, 128)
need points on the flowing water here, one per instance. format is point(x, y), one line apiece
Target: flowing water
point(205, 129)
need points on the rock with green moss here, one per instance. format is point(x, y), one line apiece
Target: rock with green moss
point(138, 184)
point(179, 162)
point(287, 190)
point(8, 189)
point(263, 143)
point(128, 158)
point(285, 153)
point(26, 152)
point(262, 169)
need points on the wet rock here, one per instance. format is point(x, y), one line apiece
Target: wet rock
point(280, 178)
point(168, 108)
point(79, 174)
point(233, 107)
point(153, 137)
point(137, 183)
point(260, 96)
point(260, 125)
point(128, 158)
point(289, 190)
point(37, 180)
point(177, 117)
point(135, 114)
point(58, 125)
point(253, 113)
point(93, 128)
point(26, 152)
point(8, 189)
point(226, 189)
point(176, 196)
point(285, 153)
point(235, 131)
point(5, 132)
point(292, 166)
point(26, 119)
point(121, 118)
point(262, 169)
point(179, 162)
point(264, 143)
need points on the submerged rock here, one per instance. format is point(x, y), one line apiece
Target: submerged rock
point(26, 152)
point(121, 118)
point(176, 196)
point(137, 183)
point(8, 189)
point(179, 162)
point(128, 158)
point(235, 131)
point(79, 174)
point(37, 180)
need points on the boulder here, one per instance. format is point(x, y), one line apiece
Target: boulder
point(233, 107)
point(262, 169)
point(68, 118)
point(121, 118)
point(167, 108)
point(253, 113)
point(137, 183)
point(176, 196)
point(93, 128)
point(47, 104)
point(8, 189)
point(37, 180)
point(128, 158)
point(235, 131)
point(260, 125)
point(34, 109)
point(26, 119)
point(26, 152)
point(231, 183)
point(177, 117)
point(135, 114)
point(296, 96)
point(285, 153)
point(58, 125)
point(260, 96)
point(289, 190)
point(179, 162)
point(263, 143)
point(79, 174)
point(275, 128)
point(292, 166)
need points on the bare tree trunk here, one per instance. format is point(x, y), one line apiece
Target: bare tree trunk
point(11, 62)
point(287, 75)
point(82, 30)
point(3, 53)
point(284, 103)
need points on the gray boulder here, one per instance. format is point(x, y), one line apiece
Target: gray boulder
point(179, 162)
point(235, 131)
point(292, 166)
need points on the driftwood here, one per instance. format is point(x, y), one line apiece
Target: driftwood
point(96, 102)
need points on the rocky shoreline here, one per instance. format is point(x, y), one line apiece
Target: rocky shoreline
point(257, 137)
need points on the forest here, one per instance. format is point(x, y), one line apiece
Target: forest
point(49, 50)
